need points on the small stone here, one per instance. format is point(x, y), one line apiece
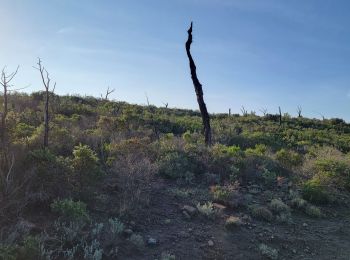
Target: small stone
point(167, 221)
point(128, 232)
point(220, 208)
point(151, 241)
point(305, 225)
point(210, 243)
point(190, 210)
point(294, 251)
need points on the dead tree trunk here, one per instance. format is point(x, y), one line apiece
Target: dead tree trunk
point(299, 110)
point(280, 115)
point(199, 90)
point(46, 82)
point(5, 82)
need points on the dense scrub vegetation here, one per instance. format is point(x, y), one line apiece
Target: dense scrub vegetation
point(99, 147)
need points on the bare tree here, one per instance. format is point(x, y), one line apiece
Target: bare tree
point(244, 111)
point(264, 111)
point(322, 115)
point(5, 82)
point(108, 92)
point(165, 104)
point(152, 121)
point(229, 112)
point(299, 109)
point(199, 90)
point(46, 80)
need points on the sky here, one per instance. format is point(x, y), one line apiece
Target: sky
point(252, 53)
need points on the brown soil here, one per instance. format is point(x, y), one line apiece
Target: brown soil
point(304, 238)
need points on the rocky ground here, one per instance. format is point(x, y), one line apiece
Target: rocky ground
point(172, 227)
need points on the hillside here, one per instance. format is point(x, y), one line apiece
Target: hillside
point(123, 181)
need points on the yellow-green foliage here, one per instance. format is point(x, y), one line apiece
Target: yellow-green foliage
point(315, 192)
point(258, 150)
point(221, 193)
point(206, 209)
point(85, 165)
point(289, 158)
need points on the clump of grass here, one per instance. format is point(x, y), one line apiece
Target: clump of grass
point(137, 241)
point(268, 252)
point(116, 227)
point(277, 206)
point(167, 256)
point(298, 203)
point(261, 212)
point(315, 192)
point(221, 193)
point(206, 209)
point(284, 217)
point(306, 207)
point(233, 222)
point(313, 211)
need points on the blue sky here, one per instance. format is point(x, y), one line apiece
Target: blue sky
point(259, 54)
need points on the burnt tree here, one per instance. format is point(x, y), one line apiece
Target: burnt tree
point(299, 110)
point(280, 115)
point(46, 82)
point(199, 91)
point(5, 83)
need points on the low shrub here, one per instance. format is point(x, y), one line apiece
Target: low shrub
point(277, 206)
point(233, 222)
point(206, 209)
point(137, 241)
point(258, 150)
point(261, 212)
point(116, 227)
point(269, 177)
point(176, 165)
point(221, 193)
point(69, 209)
point(298, 203)
point(268, 252)
point(314, 192)
point(313, 211)
point(289, 158)
point(85, 165)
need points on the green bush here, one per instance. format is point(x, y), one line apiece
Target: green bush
point(269, 177)
point(258, 150)
point(278, 206)
point(51, 175)
point(85, 165)
point(72, 210)
point(176, 165)
point(288, 158)
point(8, 252)
point(261, 212)
point(313, 211)
point(30, 249)
point(314, 192)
